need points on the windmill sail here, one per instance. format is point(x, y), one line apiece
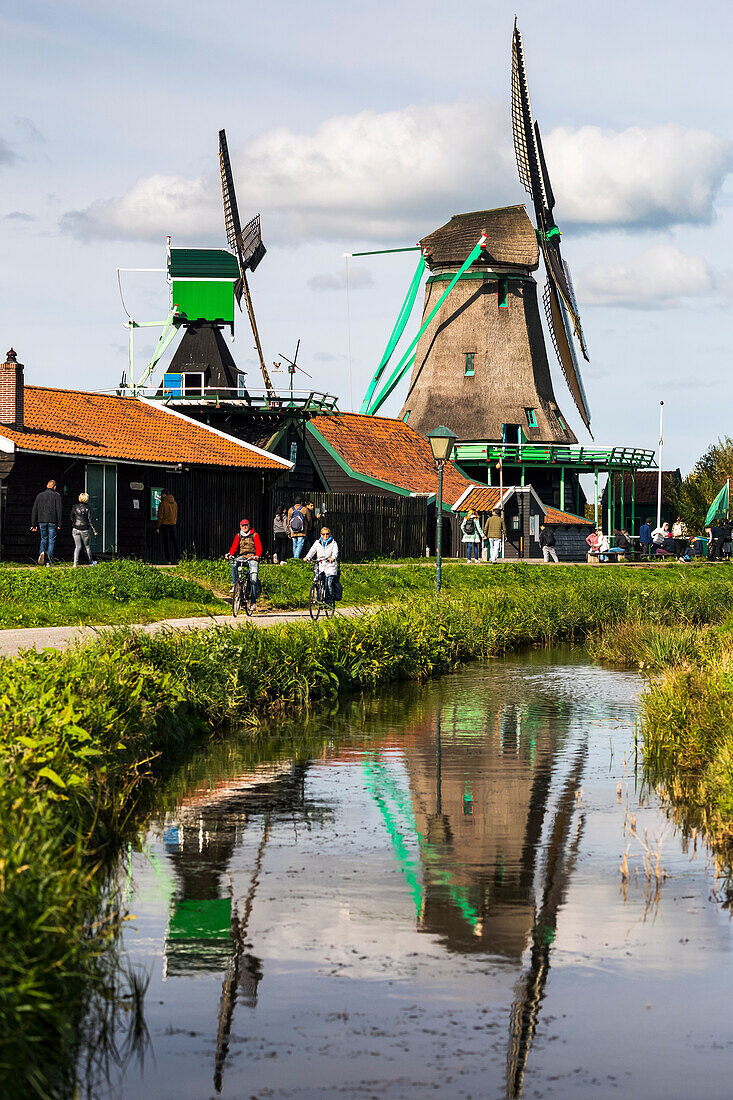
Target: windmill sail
point(247, 246)
point(563, 317)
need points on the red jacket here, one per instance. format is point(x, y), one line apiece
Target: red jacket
point(234, 550)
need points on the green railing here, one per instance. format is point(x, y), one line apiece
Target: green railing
point(553, 454)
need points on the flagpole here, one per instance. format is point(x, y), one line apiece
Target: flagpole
point(659, 479)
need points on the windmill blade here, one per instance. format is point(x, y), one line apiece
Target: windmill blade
point(549, 196)
point(560, 330)
point(525, 146)
point(250, 248)
point(231, 211)
point(558, 273)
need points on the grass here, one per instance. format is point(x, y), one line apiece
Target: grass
point(686, 717)
point(119, 593)
point(87, 734)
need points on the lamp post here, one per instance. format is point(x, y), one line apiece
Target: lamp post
point(659, 476)
point(441, 444)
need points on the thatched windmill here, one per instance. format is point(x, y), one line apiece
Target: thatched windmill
point(481, 365)
point(480, 362)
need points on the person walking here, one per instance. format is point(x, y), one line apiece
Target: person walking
point(495, 532)
point(310, 515)
point(297, 526)
point(717, 535)
point(46, 517)
point(82, 528)
point(645, 538)
point(280, 535)
point(473, 536)
point(326, 552)
point(166, 526)
point(547, 544)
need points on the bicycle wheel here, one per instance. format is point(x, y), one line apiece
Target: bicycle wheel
point(329, 607)
point(236, 599)
point(314, 604)
point(247, 595)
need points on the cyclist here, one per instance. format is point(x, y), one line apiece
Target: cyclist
point(326, 553)
point(247, 546)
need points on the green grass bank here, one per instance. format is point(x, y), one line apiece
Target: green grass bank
point(687, 718)
point(87, 734)
point(119, 593)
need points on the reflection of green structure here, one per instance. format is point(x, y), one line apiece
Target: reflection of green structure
point(199, 936)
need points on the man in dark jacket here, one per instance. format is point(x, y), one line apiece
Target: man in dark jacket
point(46, 515)
point(645, 538)
point(547, 543)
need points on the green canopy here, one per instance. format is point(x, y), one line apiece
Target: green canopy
point(719, 507)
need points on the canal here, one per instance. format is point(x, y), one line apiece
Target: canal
point(427, 900)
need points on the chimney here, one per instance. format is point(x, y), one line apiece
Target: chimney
point(11, 391)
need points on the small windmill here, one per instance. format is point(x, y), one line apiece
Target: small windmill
point(247, 246)
point(561, 308)
point(293, 367)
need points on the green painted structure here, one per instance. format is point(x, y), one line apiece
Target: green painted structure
point(202, 283)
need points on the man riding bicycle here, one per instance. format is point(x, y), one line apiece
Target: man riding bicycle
point(326, 553)
point(247, 546)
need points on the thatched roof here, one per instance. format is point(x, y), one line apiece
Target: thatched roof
point(511, 239)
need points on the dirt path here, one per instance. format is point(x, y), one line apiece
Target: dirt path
point(60, 637)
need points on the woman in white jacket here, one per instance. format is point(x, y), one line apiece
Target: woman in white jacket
point(326, 553)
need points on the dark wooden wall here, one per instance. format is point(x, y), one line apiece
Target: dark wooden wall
point(211, 501)
point(367, 525)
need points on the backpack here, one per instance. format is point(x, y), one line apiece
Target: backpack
point(297, 524)
point(469, 526)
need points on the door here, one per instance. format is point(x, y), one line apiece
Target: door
point(101, 484)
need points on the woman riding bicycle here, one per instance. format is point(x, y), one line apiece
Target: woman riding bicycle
point(326, 553)
point(247, 546)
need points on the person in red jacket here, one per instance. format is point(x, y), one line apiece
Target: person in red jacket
point(247, 546)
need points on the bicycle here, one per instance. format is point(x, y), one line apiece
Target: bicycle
point(318, 598)
point(242, 596)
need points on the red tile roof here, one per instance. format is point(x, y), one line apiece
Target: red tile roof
point(566, 519)
point(107, 428)
point(484, 498)
point(388, 450)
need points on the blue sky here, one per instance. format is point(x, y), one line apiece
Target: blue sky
point(363, 126)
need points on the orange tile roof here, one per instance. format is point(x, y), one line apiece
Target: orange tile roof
point(107, 428)
point(482, 498)
point(566, 519)
point(388, 450)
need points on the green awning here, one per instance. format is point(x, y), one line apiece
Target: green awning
point(202, 263)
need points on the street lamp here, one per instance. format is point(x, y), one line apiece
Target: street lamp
point(441, 444)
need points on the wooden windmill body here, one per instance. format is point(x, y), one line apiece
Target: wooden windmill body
point(481, 365)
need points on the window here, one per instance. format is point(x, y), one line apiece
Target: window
point(511, 433)
point(531, 418)
point(561, 422)
point(470, 364)
point(405, 417)
point(503, 294)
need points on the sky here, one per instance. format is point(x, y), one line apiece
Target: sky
point(355, 127)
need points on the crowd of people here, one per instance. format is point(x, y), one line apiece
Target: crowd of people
point(665, 541)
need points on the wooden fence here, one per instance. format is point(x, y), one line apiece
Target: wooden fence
point(368, 526)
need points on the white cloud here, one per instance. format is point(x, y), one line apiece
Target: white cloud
point(360, 278)
point(659, 277)
point(396, 175)
point(650, 178)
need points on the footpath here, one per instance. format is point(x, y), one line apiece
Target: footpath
point(60, 637)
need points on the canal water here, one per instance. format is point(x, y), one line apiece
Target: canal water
point(426, 899)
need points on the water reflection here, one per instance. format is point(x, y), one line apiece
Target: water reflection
point(420, 862)
point(208, 921)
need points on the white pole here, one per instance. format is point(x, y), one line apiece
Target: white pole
point(348, 334)
point(659, 479)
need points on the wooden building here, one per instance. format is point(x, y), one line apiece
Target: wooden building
point(524, 513)
point(628, 499)
point(125, 452)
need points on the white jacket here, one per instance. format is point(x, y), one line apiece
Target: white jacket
point(327, 556)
